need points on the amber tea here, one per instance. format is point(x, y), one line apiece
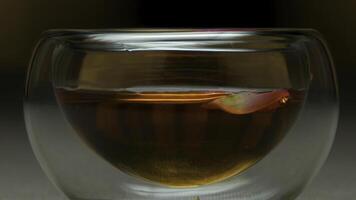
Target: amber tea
point(181, 137)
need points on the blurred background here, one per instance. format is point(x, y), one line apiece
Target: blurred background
point(22, 21)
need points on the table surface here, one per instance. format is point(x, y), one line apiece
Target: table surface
point(22, 179)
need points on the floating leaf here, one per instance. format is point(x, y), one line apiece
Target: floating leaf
point(248, 102)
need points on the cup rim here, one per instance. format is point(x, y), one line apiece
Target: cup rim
point(118, 39)
point(181, 30)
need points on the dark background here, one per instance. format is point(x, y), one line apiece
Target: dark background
point(22, 21)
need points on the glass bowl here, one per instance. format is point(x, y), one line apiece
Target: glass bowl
point(181, 114)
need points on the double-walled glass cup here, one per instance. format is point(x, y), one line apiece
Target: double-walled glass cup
point(181, 114)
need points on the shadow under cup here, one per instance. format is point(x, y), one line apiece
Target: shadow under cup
point(176, 114)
